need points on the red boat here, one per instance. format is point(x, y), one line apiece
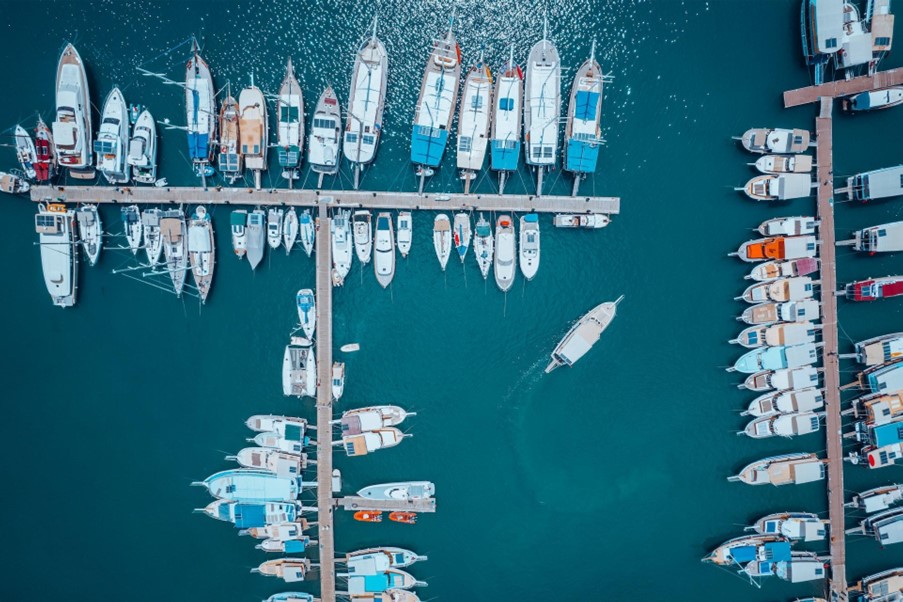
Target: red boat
point(45, 166)
point(875, 288)
point(408, 518)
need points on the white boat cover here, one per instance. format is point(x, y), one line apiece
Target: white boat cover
point(799, 570)
point(803, 529)
point(790, 186)
point(828, 25)
point(198, 241)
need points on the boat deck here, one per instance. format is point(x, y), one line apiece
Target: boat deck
point(838, 89)
point(354, 503)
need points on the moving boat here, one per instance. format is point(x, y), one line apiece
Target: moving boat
point(55, 225)
point(325, 136)
point(778, 164)
point(72, 127)
point(229, 158)
point(256, 235)
point(878, 587)
point(875, 288)
point(787, 469)
point(879, 498)
point(299, 369)
point(436, 105)
point(782, 187)
point(290, 124)
point(239, 223)
point(25, 152)
point(785, 378)
point(807, 310)
point(775, 335)
point(780, 247)
point(13, 182)
point(384, 261)
point(200, 108)
point(576, 220)
point(772, 270)
point(529, 245)
point(404, 232)
point(307, 311)
point(247, 485)
point(247, 515)
point(506, 120)
point(111, 139)
point(290, 229)
point(341, 246)
point(583, 129)
point(781, 290)
point(776, 141)
point(410, 490)
point(253, 125)
point(788, 226)
point(307, 231)
point(880, 350)
point(886, 238)
point(274, 227)
point(783, 425)
point(776, 358)
point(45, 153)
point(361, 420)
point(338, 380)
point(483, 246)
point(132, 225)
point(279, 463)
point(366, 100)
point(175, 249)
point(153, 236)
point(786, 402)
point(143, 149)
point(505, 253)
point(871, 101)
point(876, 184)
point(886, 527)
point(542, 106)
point(201, 250)
point(370, 441)
point(394, 579)
point(795, 526)
point(90, 232)
point(290, 570)
point(740, 550)
point(442, 238)
point(363, 235)
point(473, 122)
point(461, 234)
point(583, 334)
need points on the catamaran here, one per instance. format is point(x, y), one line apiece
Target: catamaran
point(172, 231)
point(290, 131)
point(253, 125)
point(341, 246)
point(506, 120)
point(529, 245)
point(483, 245)
point(307, 231)
point(275, 216)
point(583, 130)
point(366, 101)
point(142, 155)
point(111, 139)
point(583, 334)
point(90, 232)
point(542, 106)
point(133, 227)
point(45, 153)
point(299, 369)
point(200, 109)
point(474, 121)
point(55, 225)
point(201, 250)
point(363, 235)
point(325, 136)
point(505, 263)
point(72, 127)
point(442, 239)
point(384, 247)
point(239, 222)
point(461, 234)
point(256, 232)
point(153, 240)
point(404, 232)
point(229, 157)
point(289, 230)
point(25, 152)
point(307, 312)
point(436, 105)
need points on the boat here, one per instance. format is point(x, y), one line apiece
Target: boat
point(788, 226)
point(795, 567)
point(341, 245)
point(787, 469)
point(247, 515)
point(132, 226)
point(90, 232)
point(879, 498)
point(583, 128)
point(229, 157)
point(878, 587)
point(410, 490)
point(247, 485)
point(779, 247)
point(781, 187)
point(404, 232)
point(368, 516)
point(576, 220)
point(290, 546)
point(253, 125)
point(390, 595)
point(200, 109)
point(775, 141)
point(872, 101)
point(290, 229)
point(13, 182)
point(461, 234)
point(275, 215)
point(408, 518)
point(783, 425)
point(782, 379)
point(284, 531)
point(878, 408)
point(542, 106)
point(72, 129)
point(366, 101)
point(821, 23)
point(886, 238)
point(255, 233)
point(778, 164)
point(504, 149)
point(290, 597)
point(25, 152)
point(882, 377)
point(371, 561)
point(856, 43)
point(807, 310)
point(290, 570)
point(878, 457)
point(201, 250)
point(338, 380)
point(363, 235)
point(880, 350)
point(740, 550)
point(442, 239)
point(55, 226)
point(384, 260)
point(290, 124)
point(111, 139)
point(307, 311)
point(370, 441)
point(483, 246)
point(775, 335)
point(175, 251)
point(877, 184)
point(781, 290)
point(142, 156)
point(795, 526)
point(886, 527)
point(350, 347)
point(875, 288)
point(153, 238)
point(473, 122)
point(45, 153)
point(772, 270)
point(362, 420)
point(583, 334)
point(279, 463)
point(505, 263)
point(436, 105)
point(325, 136)
point(307, 231)
point(394, 579)
point(288, 426)
point(529, 245)
point(239, 223)
point(776, 358)
point(299, 369)
point(290, 439)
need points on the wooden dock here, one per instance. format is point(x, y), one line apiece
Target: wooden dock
point(353, 504)
point(848, 87)
point(332, 198)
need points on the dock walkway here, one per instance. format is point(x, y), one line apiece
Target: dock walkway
point(354, 504)
point(847, 87)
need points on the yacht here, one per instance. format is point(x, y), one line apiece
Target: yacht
point(292, 440)
point(461, 234)
point(201, 250)
point(25, 152)
point(542, 106)
point(363, 235)
point(253, 125)
point(46, 164)
point(90, 232)
point(283, 544)
point(133, 227)
point(576, 220)
point(885, 238)
point(740, 550)
point(529, 245)
point(341, 246)
point(153, 238)
point(275, 216)
point(871, 101)
point(72, 130)
point(777, 358)
point(873, 289)
point(781, 290)
point(370, 441)
point(795, 567)
point(249, 515)
point(391, 579)
point(362, 420)
point(783, 425)
point(782, 187)
point(776, 141)
point(142, 155)
point(782, 379)
point(248, 485)
point(777, 248)
point(778, 164)
point(338, 380)
point(384, 245)
point(279, 463)
point(325, 136)
point(583, 334)
point(229, 157)
point(290, 124)
point(788, 226)
point(807, 310)
point(175, 251)
point(880, 587)
point(239, 222)
point(886, 527)
point(307, 311)
point(775, 335)
point(795, 526)
point(256, 234)
point(483, 246)
point(200, 110)
point(290, 570)
point(787, 469)
point(404, 232)
point(772, 270)
point(505, 263)
point(877, 499)
point(583, 128)
point(878, 409)
point(372, 561)
point(442, 239)
point(410, 490)
point(55, 226)
point(299, 369)
point(307, 231)
point(111, 139)
point(473, 122)
point(877, 184)
point(879, 350)
point(506, 120)
point(276, 423)
point(289, 229)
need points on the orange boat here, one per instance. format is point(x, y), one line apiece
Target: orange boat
point(368, 516)
point(408, 518)
point(778, 248)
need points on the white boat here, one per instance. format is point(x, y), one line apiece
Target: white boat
point(784, 425)
point(341, 246)
point(772, 270)
point(583, 334)
point(239, 222)
point(483, 245)
point(90, 232)
point(307, 231)
point(175, 247)
point(879, 587)
point(884, 238)
point(55, 226)
point(409, 490)
point(394, 579)
point(201, 250)
point(299, 369)
point(13, 182)
point(290, 229)
point(384, 246)
point(229, 157)
point(370, 441)
point(505, 264)
point(256, 236)
point(781, 187)
point(111, 139)
point(542, 106)
point(254, 126)
point(338, 380)
point(783, 379)
point(325, 136)
point(506, 120)
point(461, 234)
point(583, 128)
point(780, 290)
point(795, 526)
point(787, 469)
point(290, 570)
point(46, 164)
point(529, 245)
point(153, 238)
point(307, 311)
point(363, 235)
point(200, 111)
point(133, 227)
point(373, 561)
point(366, 100)
point(778, 141)
point(404, 232)
point(877, 499)
point(280, 463)
point(887, 529)
point(778, 164)
point(442, 239)
point(292, 441)
point(473, 122)
point(290, 124)
point(871, 101)
point(350, 347)
point(788, 226)
point(362, 420)
point(579, 220)
point(142, 155)
point(25, 152)
point(274, 227)
point(72, 130)
point(807, 310)
point(290, 426)
point(880, 349)
point(774, 335)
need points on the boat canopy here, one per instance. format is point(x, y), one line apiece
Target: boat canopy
point(797, 472)
point(805, 530)
point(886, 379)
point(888, 434)
point(828, 23)
point(878, 184)
point(198, 240)
point(857, 49)
point(791, 186)
point(585, 105)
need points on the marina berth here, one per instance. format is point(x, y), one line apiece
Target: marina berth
point(776, 335)
point(340, 226)
point(229, 158)
point(275, 217)
point(13, 183)
point(299, 369)
point(246, 515)
point(473, 122)
point(289, 124)
point(72, 129)
point(247, 485)
point(355, 422)
point(442, 239)
point(777, 141)
point(583, 334)
point(289, 229)
point(175, 248)
point(886, 238)
point(306, 231)
point(290, 597)
point(874, 100)
point(483, 246)
point(795, 526)
point(384, 249)
point(273, 422)
point(877, 499)
point(363, 235)
point(90, 232)
point(55, 226)
point(875, 288)
point(877, 184)
point(325, 141)
point(238, 220)
point(780, 380)
point(542, 106)
point(256, 231)
point(783, 187)
point(389, 579)
point(410, 490)
point(142, 152)
point(740, 550)
point(787, 469)
point(404, 232)
point(504, 150)
point(253, 126)
point(366, 101)
point(370, 441)
point(46, 165)
point(153, 236)
point(880, 350)
point(795, 567)
point(132, 226)
point(290, 570)
point(779, 248)
point(878, 587)
point(776, 358)
point(783, 425)
point(780, 164)
point(338, 380)
point(886, 527)
point(529, 245)
point(505, 264)
point(112, 137)
point(786, 402)
point(570, 220)
point(307, 312)
point(281, 464)
point(583, 128)
point(200, 109)
point(461, 234)
point(788, 226)
point(201, 251)
point(791, 311)
point(771, 270)
point(784, 289)
point(25, 152)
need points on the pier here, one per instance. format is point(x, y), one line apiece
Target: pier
point(353, 504)
point(847, 87)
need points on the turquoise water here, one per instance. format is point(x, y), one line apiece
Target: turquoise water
point(604, 481)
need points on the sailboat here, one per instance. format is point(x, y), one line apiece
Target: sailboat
point(229, 157)
point(307, 231)
point(461, 234)
point(582, 131)
point(201, 250)
point(153, 240)
point(55, 225)
point(290, 229)
point(542, 106)
point(131, 223)
point(363, 235)
point(473, 122)
point(290, 133)
point(384, 246)
point(509, 96)
point(325, 136)
point(505, 253)
point(404, 232)
point(142, 155)
point(72, 126)
point(442, 238)
point(529, 245)
point(436, 105)
point(252, 123)
point(45, 153)
point(25, 151)
point(90, 232)
point(366, 101)
point(172, 231)
point(200, 109)
point(307, 311)
point(111, 139)
point(483, 245)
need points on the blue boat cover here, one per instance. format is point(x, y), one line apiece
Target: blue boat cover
point(586, 105)
point(197, 146)
point(249, 515)
point(582, 156)
point(743, 554)
point(428, 145)
point(293, 432)
point(888, 434)
point(862, 102)
point(294, 546)
point(376, 583)
point(504, 154)
point(776, 551)
point(531, 217)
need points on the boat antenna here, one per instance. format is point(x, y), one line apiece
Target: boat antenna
point(252, 79)
point(373, 37)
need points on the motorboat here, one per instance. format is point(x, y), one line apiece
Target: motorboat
point(442, 239)
point(877, 499)
point(483, 246)
point(355, 422)
point(229, 157)
point(579, 220)
point(299, 369)
point(461, 234)
point(254, 127)
point(772, 270)
point(783, 425)
point(362, 231)
point(395, 579)
point(878, 409)
point(542, 106)
point(282, 532)
point(289, 426)
point(877, 587)
point(788, 226)
point(775, 141)
point(325, 141)
point(782, 379)
point(740, 550)
point(583, 128)
point(882, 377)
point(529, 245)
point(371, 561)
point(780, 187)
point(885, 238)
point(307, 231)
point(247, 485)
point(406, 518)
point(370, 441)
point(873, 289)
point(175, 247)
point(504, 149)
point(239, 222)
point(290, 570)
point(782, 290)
point(133, 227)
point(13, 182)
point(787, 469)
point(583, 334)
point(778, 164)
point(404, 491)
point(780, 248)
point(341, 246)
point(275, 216)
point(153, 237)
point(201, 250)
point(248, 515)
point(290, 124)
point(876, 100)
point(72, 129)
point(338, 380)
point(886, 527)
point(110, 145)
point(876, 184)
point(473, 122)
point(384, 245)
point(880, 350)
point(806, 310)
point(291, 439)
point(775, 335)
point(404, 232)
point(142, 156)
point(46, 164)
point(505, 263)
point(795, 526)
point(25, 152)
point(256, 232)
point(777, 358)
point(279, 463)
point(795, 567)
point(200, 111)
point(290, 229)
point(307, 311)
point(55, 226)
point(90, 232)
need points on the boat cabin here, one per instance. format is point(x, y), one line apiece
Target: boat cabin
point(883, 378)
point(877, 184)
point(886, 238)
